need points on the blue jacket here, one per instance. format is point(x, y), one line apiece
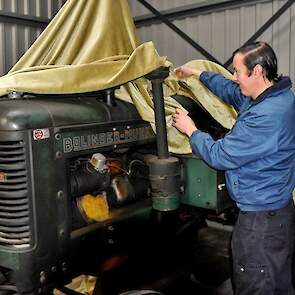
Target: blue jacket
point(258, 153)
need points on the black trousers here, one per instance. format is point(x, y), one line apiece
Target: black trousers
point(262, 250)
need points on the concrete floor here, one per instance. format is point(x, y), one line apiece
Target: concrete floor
point(204, 270)
point(207, 272)
point(210, 266)
point(212, 262)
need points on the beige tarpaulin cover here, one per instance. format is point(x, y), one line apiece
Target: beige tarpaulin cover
point(91, 45)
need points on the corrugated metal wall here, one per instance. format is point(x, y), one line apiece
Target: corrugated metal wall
point(138, 9)
point(222, 31)
point(17, 32)
point(218, 32)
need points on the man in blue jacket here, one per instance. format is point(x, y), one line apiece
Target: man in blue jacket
point(258, 156)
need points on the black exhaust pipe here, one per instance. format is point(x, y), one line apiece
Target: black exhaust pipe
point(164, 169)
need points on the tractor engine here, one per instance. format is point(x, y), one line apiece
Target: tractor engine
point(74, 186)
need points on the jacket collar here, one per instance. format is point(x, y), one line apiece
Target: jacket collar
point(283, 84)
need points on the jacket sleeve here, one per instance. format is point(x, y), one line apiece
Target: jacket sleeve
point(226, 89)
point(246, 142)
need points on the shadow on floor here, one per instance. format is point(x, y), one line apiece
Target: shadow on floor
point(208, 271)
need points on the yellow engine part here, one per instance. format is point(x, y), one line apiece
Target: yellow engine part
point(94, 208)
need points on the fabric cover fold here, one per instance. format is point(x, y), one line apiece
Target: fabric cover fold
point(92, 45)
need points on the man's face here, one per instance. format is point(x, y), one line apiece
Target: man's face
point(242, 77)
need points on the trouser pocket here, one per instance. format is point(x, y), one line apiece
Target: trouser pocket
point(262, 248)
point(250, 279)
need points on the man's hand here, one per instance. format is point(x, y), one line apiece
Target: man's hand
point(185, 71)
point(183, 122)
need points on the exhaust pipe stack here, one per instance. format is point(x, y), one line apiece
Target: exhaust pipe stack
point(164, 169)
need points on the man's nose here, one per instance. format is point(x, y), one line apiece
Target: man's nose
point(235, 78)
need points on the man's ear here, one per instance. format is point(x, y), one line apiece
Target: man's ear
point(258, 71)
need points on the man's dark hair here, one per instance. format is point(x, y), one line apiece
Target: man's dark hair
point(260, 53)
